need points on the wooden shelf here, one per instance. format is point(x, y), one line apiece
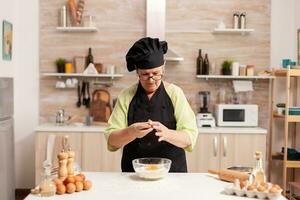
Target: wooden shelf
point(77, 29)
point(283, 72)
point(289, 163)
point(79, 75)
point(232, 31)
point(290, 118)
point(232, 77)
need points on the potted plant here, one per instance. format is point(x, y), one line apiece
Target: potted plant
point(226, 67)
point(60, 64)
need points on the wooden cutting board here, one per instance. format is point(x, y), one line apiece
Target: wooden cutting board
point(100, 106)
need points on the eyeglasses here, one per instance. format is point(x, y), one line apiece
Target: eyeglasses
point(145, 77)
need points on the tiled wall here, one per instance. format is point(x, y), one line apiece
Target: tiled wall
point(189, 26)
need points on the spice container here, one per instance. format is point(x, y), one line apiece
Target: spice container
point(242, 21)
point(68, 67)
point(235, 21)
point(89, 21)
point(242, 71)
point(63, 21)
point(250, 70)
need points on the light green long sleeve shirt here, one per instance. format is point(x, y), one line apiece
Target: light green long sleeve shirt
point(184, 115)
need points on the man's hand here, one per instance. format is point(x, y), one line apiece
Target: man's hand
point(162, 131)
point(140, 129)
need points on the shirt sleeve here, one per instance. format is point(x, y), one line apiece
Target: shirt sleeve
point(117, 120)
point(185, 117)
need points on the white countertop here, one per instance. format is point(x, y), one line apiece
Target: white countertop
point(101, 129)
point(175, 186)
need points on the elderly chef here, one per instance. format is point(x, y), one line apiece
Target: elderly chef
point(151, 118)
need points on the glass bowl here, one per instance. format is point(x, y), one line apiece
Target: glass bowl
point(151, 168)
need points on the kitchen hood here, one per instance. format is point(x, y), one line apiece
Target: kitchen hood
point(156, 25)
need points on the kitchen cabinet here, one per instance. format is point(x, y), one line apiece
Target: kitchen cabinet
point(220, 151)
point(90, 148)
point(96, 157)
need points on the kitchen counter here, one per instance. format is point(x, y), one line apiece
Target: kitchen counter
point(116, 186)
point(101, 128)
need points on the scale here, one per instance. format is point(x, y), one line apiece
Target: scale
point(204, 117)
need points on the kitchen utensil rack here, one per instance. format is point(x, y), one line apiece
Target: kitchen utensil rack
point(291, 77)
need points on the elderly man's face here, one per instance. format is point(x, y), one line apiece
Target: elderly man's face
point(150, 78)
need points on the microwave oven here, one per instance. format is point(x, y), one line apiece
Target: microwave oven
point(236, 114)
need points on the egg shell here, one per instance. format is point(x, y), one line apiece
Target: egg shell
point(60, 189)
point(78, 178)
point(69, 179)
point(87, 185)
point(71, 188)
point(79, 186)
point(82, 176)
point(261, 188)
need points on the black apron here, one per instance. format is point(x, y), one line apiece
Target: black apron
point(159, 108)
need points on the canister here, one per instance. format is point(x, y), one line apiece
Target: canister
point(242, 20)
point(235, 21)
point(63, 17)
point(250, 70)
point(68, 68)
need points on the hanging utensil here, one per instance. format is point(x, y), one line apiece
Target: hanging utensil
point(78, 104)
point(83, 93)
point(88, 100)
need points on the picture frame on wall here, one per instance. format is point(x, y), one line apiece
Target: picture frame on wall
point(7, 39)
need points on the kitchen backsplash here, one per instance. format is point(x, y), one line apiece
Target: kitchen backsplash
point(189, 26)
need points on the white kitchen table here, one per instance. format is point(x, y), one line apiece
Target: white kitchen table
point(181, 186)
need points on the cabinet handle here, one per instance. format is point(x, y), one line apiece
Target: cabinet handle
point(215, 146)
point(225, 146)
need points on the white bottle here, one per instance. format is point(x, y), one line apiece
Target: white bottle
point(235, 69)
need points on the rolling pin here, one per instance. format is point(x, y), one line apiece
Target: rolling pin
point(229, 175)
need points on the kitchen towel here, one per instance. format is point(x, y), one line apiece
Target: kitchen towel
point(242, 86)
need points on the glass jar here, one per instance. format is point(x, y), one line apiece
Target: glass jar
point(47, 186)
point(89, 21)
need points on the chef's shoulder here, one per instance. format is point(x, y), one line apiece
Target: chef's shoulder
point(174, 91)
point(127, 94)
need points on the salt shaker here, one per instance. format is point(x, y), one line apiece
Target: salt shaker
point(242, 20)
point(236, 20)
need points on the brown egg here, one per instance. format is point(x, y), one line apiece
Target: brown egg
point(87, 185)
point(273, 190)
point(82, 176)
point(60, 189)
point(264, 184)
point(71, 188)
point(79, 186)
point(251, 187)
point(69, 179)
point(57, 181)
point(78, 178)
point(261, 188)
point(276, 186)
point(242, 184)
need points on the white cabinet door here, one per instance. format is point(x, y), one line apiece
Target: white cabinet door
point(206, 153)
point(239, 149)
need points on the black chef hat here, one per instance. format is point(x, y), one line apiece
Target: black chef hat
point(146, 53)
